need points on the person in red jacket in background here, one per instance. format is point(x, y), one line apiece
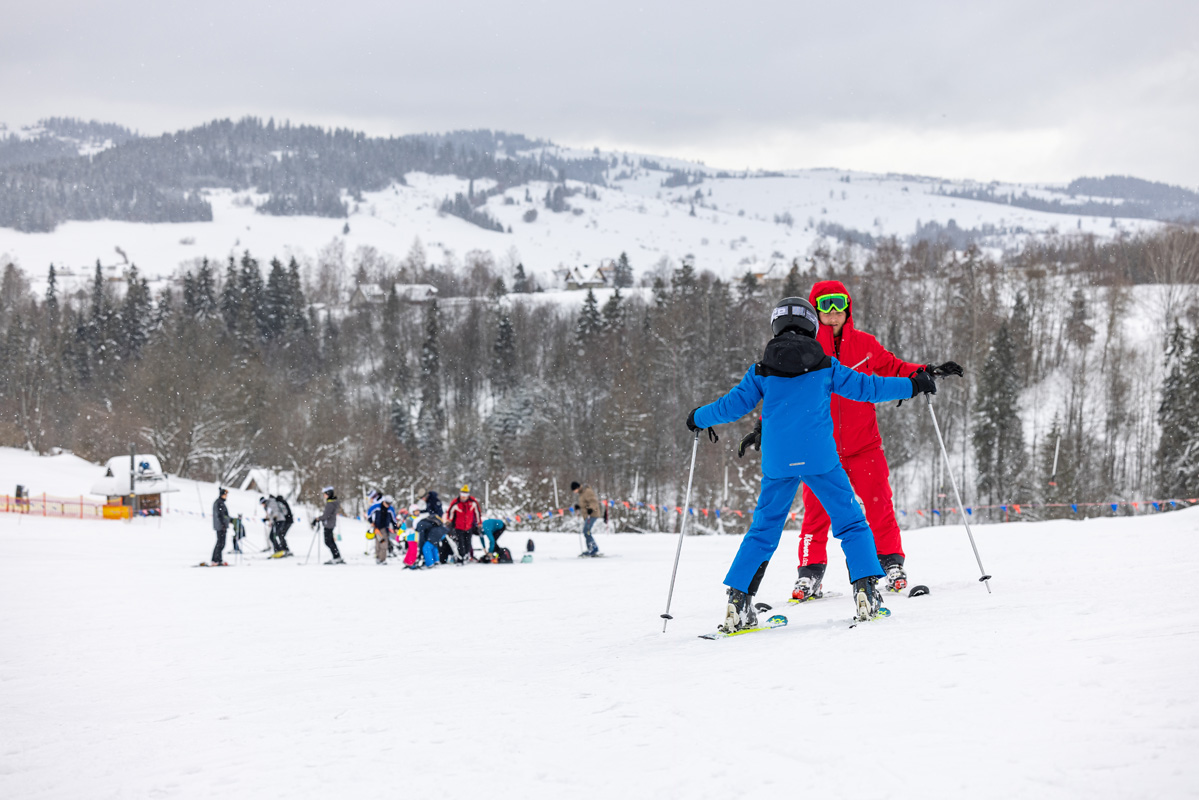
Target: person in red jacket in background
point(855, 429)
point(463, 517)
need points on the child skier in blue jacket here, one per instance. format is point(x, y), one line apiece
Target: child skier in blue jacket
point(794, 380)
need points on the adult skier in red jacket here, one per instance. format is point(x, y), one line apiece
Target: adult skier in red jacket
point(855, 429)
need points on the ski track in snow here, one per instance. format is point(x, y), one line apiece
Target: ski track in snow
point(125, 673)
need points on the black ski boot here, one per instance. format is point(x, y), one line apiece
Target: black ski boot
point(867, 600)
point(740, 613)
point(808, 585)
point(897, 579)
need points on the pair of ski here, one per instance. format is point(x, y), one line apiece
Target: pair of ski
point(779, 621)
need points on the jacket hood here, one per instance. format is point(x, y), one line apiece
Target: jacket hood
point(790, 355)
point(821, 288)
point(432, 496)
point(824, 333)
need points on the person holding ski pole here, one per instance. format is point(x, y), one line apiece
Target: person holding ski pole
point(795, 381)
point(328, 519)
point(220, 523)
point(859, 444)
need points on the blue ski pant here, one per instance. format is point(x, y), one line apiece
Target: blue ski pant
point(849, 526)
point(591, 545)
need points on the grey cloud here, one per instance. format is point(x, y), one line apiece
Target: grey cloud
point(669, 76)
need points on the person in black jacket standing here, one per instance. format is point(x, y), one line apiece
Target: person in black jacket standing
point(220, 521)
point(328, 519)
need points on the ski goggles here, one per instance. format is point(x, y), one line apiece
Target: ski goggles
point(830, 303)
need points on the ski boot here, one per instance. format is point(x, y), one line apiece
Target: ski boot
point(337, 560)
point(278, 554)
point(740, 613)
point(897, 579)
point(808, 586)
point(866, 598)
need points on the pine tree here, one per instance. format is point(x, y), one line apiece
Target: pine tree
point(748, 286)
point(503, 364)
point(253, 300)
point(998, 435)
point(623, 273)
point(51, 304)
point(430, 422)
point(231, 297)
point(276, 301)
point(589, 323)
point(1177, 463)
point(1078, 328)
point(520, 282)
point(612, 316)
point(135, 316)
point(792, 286)
point(205, 303)
point(297, 318)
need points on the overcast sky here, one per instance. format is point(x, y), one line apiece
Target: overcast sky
point(1031, 91)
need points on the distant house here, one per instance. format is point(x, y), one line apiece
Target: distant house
point(368, 294)
point(371, 294)
point(149, 484)
point(267, 481)
point(583, 277)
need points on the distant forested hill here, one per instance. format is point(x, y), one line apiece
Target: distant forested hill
point(304, 169)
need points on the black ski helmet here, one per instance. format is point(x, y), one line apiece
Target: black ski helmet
point(795, 314)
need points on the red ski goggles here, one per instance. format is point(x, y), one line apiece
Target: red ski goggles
point(829, 303)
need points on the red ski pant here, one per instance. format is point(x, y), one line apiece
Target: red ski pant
point(871, 481)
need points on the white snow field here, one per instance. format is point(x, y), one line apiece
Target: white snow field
point(124, 672)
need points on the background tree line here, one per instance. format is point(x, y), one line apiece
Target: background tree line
point(252, 363)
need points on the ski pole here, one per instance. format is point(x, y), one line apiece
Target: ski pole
point(666, 618)
point(961, 506)
point(315, 533)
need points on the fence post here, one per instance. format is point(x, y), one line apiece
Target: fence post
point(44, 514)
point(80, 506)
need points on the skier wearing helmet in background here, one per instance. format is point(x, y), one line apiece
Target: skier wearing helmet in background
point(795, 381)
point(859, 445)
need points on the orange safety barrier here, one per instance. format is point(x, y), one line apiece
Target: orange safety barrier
point(46, 506)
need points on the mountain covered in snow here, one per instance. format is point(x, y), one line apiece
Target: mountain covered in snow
point(76, 193)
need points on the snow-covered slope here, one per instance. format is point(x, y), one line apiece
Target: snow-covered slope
point(127, 674)
point(729, 224)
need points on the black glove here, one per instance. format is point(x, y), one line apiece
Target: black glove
point(923, 383)
point(691, 426)
point(576, 506)
point(754, 437)
point(948, 368)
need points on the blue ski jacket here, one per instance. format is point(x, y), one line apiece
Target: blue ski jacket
point(795, 381)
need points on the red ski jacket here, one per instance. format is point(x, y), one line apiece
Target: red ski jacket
point(464, 514)
point(855, 427)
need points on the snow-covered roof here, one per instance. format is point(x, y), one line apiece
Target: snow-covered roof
point(415, 292)
point(148, 477)
point(269, 481)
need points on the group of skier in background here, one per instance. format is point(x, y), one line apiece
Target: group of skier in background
point(818, 380)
